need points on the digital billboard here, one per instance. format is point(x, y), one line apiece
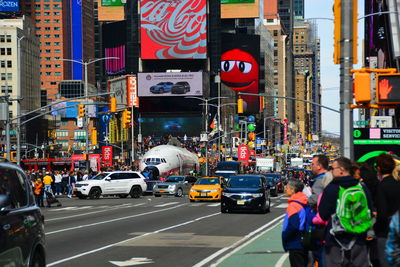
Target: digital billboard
point(114, 43)
point(111, 13)
point(176, 126)
point(70, 109)
point(77, 39)
point(240, 67)
point(170, 84)
point(173, 29)
point(9, 6)
point(112, 2)
point(233, 9)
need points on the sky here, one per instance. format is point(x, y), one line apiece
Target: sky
point(330, 72)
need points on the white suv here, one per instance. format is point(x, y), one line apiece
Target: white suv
point(121, 183)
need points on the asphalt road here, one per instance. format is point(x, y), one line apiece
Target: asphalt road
point(166, 231)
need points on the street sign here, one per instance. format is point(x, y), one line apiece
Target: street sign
point(11, 132)
point(362, 123)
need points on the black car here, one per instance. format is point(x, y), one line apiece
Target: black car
point(22, 238)
point(180, 88)
point(272, 184)
point(246, 192)
point(279, 180)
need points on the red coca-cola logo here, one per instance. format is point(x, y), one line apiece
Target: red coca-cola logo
point(173, 29)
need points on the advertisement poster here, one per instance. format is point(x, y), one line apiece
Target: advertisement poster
point(113, 2)
point(240, 67)
point(243, 153)
point(131, 91)
point(114, 43)
point(107, 155)
point(173, 29)
point(170, 84)
point(9, 5)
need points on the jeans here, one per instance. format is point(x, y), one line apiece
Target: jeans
point(39, 200)
point(47, 188)
point(58, 188)
point(69, 190)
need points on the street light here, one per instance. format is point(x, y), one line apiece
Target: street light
point(85, 64)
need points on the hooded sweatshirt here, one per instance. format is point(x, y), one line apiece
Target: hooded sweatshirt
point(327, 207)
point(294, 222)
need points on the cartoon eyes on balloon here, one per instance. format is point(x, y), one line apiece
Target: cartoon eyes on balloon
point(244, 67)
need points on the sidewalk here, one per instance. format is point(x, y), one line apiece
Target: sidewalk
point(264, 250)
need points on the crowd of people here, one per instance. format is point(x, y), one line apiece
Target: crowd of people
point(350, 217)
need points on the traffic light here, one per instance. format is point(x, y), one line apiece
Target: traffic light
point(81, 110)
point(126, 118)
point(94, 137)
point(113, 104)
point(362, 87)
point(240, 106)
point(387, 88)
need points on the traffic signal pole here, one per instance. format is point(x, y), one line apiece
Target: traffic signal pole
point(346, 80)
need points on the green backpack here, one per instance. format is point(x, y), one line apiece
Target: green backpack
point(353, 215)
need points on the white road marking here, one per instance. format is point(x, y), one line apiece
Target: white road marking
point(282, 206)
point(72, 208)
point(214, 205)
point(237, 245)
point(166, 204)
point(282, 260)
point(133, 261)
point(140, 204)
point(130, 239)
point(113, 220)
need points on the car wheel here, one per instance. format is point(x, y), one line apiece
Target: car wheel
point(224, 210)
point(95, 193)
point(123, 196)
point(38, 260)
point(191, 200)
point(179, 193)
point(135, 192)
point(157, 195)
point(268, 209)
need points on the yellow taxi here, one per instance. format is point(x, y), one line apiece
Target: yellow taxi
point(207, 188)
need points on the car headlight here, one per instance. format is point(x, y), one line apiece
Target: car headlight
point(193, 190)
point(213, 190)
point(227, 194)
point(171, 186)
point(257, 195)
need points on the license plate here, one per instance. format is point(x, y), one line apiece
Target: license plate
point(240, 202)
point(203, 194)
point(161, 191)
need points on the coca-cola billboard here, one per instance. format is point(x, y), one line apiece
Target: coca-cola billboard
point(243, 153)
point(107, 155)
point(173, 29)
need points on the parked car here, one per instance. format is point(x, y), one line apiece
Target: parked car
point(163, 87)
point(22, 237)
point(121, 183)
point(272, 184)
point(207, 188)
point(246, 192)
point(174, 185)
point(279, 180)
point(180, 88)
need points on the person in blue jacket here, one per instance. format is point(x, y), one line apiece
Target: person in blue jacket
point(294, 223)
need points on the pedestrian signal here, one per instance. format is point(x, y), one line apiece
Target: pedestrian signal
point(388, 89)
point(81, 110)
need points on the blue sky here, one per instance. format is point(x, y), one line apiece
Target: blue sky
point(329, 72)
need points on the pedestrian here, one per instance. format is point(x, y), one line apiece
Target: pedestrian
point(345, 246)
point(64, 182)
point(57, 181)
point(294, 224)
point(38, 191)
point(387, 201)
point(71, 183)
point(47, 180)
point(393, 242)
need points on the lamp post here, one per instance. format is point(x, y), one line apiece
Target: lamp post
point(18, 132)
point(85, 64)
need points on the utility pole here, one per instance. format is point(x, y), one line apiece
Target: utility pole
point(346, 80)
point(19, 90)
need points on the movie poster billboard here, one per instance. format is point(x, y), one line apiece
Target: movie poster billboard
point(170, 84)
point(173, 29)
point(240, 67)
point(9, 6)
point(114, 43)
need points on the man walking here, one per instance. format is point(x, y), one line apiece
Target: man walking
point(347, 205)
point(322, 177)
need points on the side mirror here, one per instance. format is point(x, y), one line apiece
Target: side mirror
point(4, 204)
point(186, 182)
point(108, 179)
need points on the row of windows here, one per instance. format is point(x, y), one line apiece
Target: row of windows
point(5, 63)
point(49, 58)
point(47, 21)
point(49, 73)
point(6, 89)
point(49, 51)
point(77, 133)
point(45, 6)
point(5, 51)
point(5, 38)
point(6, 76)
point(46, 13)
point(55, 43)
point(47, 36)
point(50, 66)
point(48, 28)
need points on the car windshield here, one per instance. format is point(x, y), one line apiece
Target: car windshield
point(99, 176)
point(244, 182)
point(175, 179)
point(208, 181)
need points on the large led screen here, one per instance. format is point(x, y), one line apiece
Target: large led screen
point(170, 84)
point(9, 5)
point(173, 29)
point(114, 42)
point(176, 126)
point(240, 67)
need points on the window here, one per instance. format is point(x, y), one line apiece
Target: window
point(57, 66)
point(48, 73)
point(38, 28)
point(47, 21)
point(56, 36)
point(37, 13)
point(47, 28)
point(56, 13)
point(46, 6)
point(62, 133)
point(48, 58)
point(6, 89)
point(63, 143)
point(47, 43)
point(56, 21)
point(56, 28)
point(57, 51)
point(48, 50)
point(6, 76)
point(57, 73)
point(14, 184)
point(53, 83)
point(48, 65)
point(79, 134)
point(5, 51)
point(38, 20)
point(47, 36)
point(57, 43)
point(46, 13)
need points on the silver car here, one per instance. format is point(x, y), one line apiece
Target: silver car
point(174, 185)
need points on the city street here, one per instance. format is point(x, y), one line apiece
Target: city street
point(166, 231)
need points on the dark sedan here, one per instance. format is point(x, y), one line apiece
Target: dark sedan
point(246, 192)
point(272, 186)
point(279, 180)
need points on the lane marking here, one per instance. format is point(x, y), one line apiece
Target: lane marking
point(132, 261)
point(237, 245)
point(108, 208)
point(113, 220)
point(166, 204)
point(140, 204)
point(282, 260)
point(131, 239)
point(214, 205)
point(282, 206)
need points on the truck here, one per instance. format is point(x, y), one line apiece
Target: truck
point(227, 169)
point(265, 164)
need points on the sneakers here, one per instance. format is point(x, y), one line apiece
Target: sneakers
point(69, 196)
